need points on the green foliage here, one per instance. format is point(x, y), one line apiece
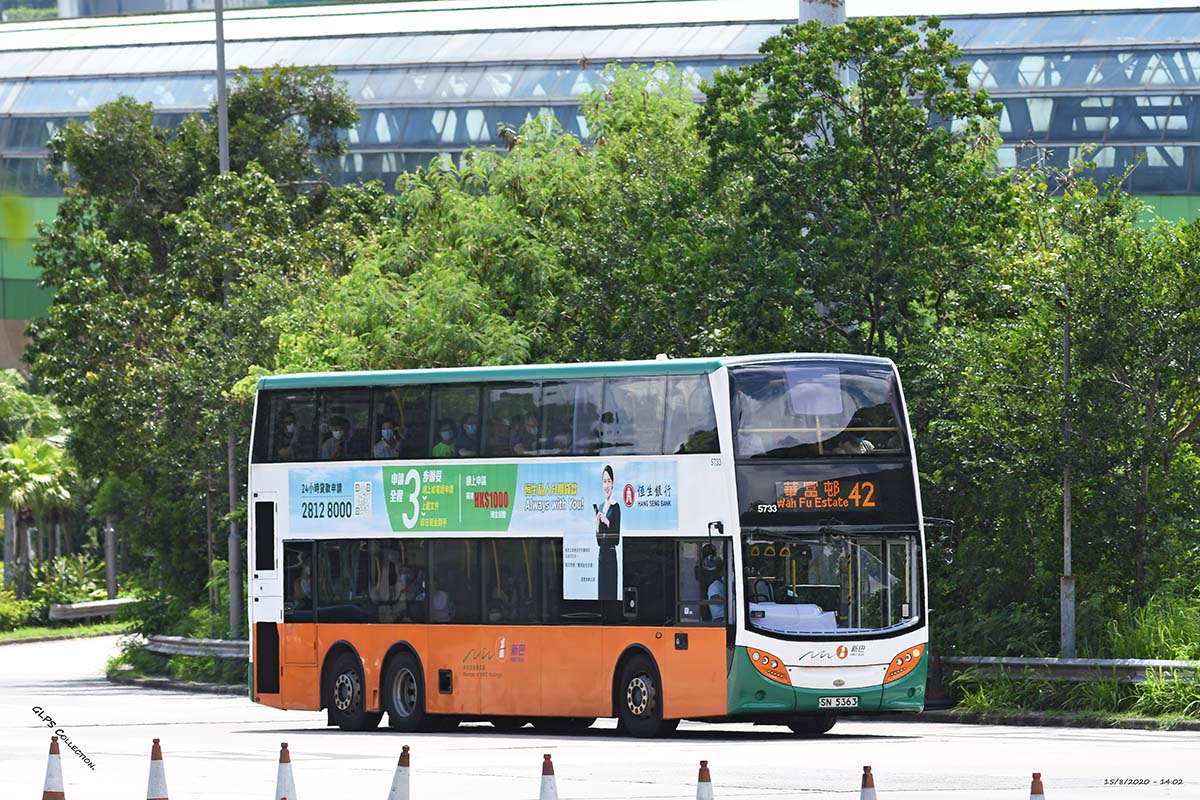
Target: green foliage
point(881, 220)
point(25, 413)
point(1162, 694)
point(68, 579)
point(16, 613)
point(162, 274)
point(1165, 628)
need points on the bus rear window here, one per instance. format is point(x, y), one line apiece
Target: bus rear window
point(807, 410)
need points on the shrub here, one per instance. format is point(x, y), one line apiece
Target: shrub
point(16, 613)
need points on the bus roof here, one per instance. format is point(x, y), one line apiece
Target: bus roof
point(527, 372)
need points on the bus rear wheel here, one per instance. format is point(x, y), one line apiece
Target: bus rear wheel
point(639, 700)
point(404, 693)
point(347, 697)
point(813, 726)
point(559, 725)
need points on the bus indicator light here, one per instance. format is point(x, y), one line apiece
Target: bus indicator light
point(770, 666)
point(903, 663)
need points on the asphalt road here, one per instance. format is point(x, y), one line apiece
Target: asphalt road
point(227, 747)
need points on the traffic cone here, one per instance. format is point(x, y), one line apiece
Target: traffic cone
point(400, 780)
point(868, 785)
point(53, 788)
point(704, 783)
point(549, 787)
point(1036, 792)
point(156, 789)
point(285, 786)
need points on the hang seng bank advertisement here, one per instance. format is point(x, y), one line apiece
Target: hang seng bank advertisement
point(590, 505)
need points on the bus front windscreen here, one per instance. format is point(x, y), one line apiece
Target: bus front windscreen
point(816, 410)
point(803, 585)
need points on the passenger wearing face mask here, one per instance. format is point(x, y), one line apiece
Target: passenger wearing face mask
point(342, 443)
point(526, 439)
point(445, 444)
point(388, 445)
point(293, 444)
point(302, 587)
point(467, 443)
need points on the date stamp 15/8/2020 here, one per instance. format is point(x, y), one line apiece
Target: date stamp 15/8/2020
point(1143, 781)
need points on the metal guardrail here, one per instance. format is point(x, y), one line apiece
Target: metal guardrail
point(1122, 670)
point(183, 646)
point(95, 608)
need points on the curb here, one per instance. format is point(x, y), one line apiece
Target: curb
point(1043, 720)
point(172, 685)
point(62, 637)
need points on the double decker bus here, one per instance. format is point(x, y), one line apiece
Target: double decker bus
point(709, 539)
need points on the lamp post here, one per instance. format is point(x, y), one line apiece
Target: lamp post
point(235, 548)
point(1066, 592)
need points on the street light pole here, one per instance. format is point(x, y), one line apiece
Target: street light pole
point(235, 547)
point(1067, 583)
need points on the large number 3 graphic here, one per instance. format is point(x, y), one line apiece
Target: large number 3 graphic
point(413, 480)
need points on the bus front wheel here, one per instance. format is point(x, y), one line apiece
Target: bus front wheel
point(639, 700)
point(404, 693)
point(347, 698)
point(813, 726)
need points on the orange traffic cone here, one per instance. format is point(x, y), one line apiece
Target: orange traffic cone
point(1036, 792)
point(53, 788)
point(285, 786)
point(156, 789)
point(704, 783)
point(400, 780)
point(868, 785)
point(549, 787)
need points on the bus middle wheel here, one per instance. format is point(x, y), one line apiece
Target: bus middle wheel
point(347, 697)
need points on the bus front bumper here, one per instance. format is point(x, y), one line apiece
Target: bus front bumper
point(753, 695)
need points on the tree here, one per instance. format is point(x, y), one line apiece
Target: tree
point(35, 480)
point(877, 202)
point(163, 273)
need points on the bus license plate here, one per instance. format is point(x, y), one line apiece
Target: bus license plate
point(837, 702)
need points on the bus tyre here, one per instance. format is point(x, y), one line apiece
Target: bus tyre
point(813, 726)
point(404, 694)
point(561, 725)
point(347, 696)
point(639, 700)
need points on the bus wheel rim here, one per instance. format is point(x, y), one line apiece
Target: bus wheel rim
point(404, 692)
point(345, 691)
point(638, 695)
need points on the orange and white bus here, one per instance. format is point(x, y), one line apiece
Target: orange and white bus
point(709, 539)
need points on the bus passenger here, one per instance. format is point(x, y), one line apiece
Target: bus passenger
point(445, 445)
point(342, 444)
point(292, 439)
point(467, 443)
point(524, 440)
point(388, 445)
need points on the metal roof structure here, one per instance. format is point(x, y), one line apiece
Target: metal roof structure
point(436, 77)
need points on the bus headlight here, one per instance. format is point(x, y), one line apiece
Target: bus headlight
point(769, 665)
point(903, 663)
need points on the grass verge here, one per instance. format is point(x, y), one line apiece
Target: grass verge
point(63, 631)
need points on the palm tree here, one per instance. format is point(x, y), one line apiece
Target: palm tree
point(35, 479)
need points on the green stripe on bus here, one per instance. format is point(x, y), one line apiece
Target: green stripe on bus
point(528, 372)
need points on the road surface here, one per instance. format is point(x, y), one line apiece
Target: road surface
point(227, 747)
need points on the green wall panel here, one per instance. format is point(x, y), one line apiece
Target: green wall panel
point(16, 259)
point(24, 299)
point(1175, 206)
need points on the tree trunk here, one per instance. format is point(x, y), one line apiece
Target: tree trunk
point(24, 553)
point(235, 547)
point(10, 548)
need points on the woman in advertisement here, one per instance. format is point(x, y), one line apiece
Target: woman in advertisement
point(608, 538)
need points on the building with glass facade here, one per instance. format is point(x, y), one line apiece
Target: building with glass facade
point(438, 76)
